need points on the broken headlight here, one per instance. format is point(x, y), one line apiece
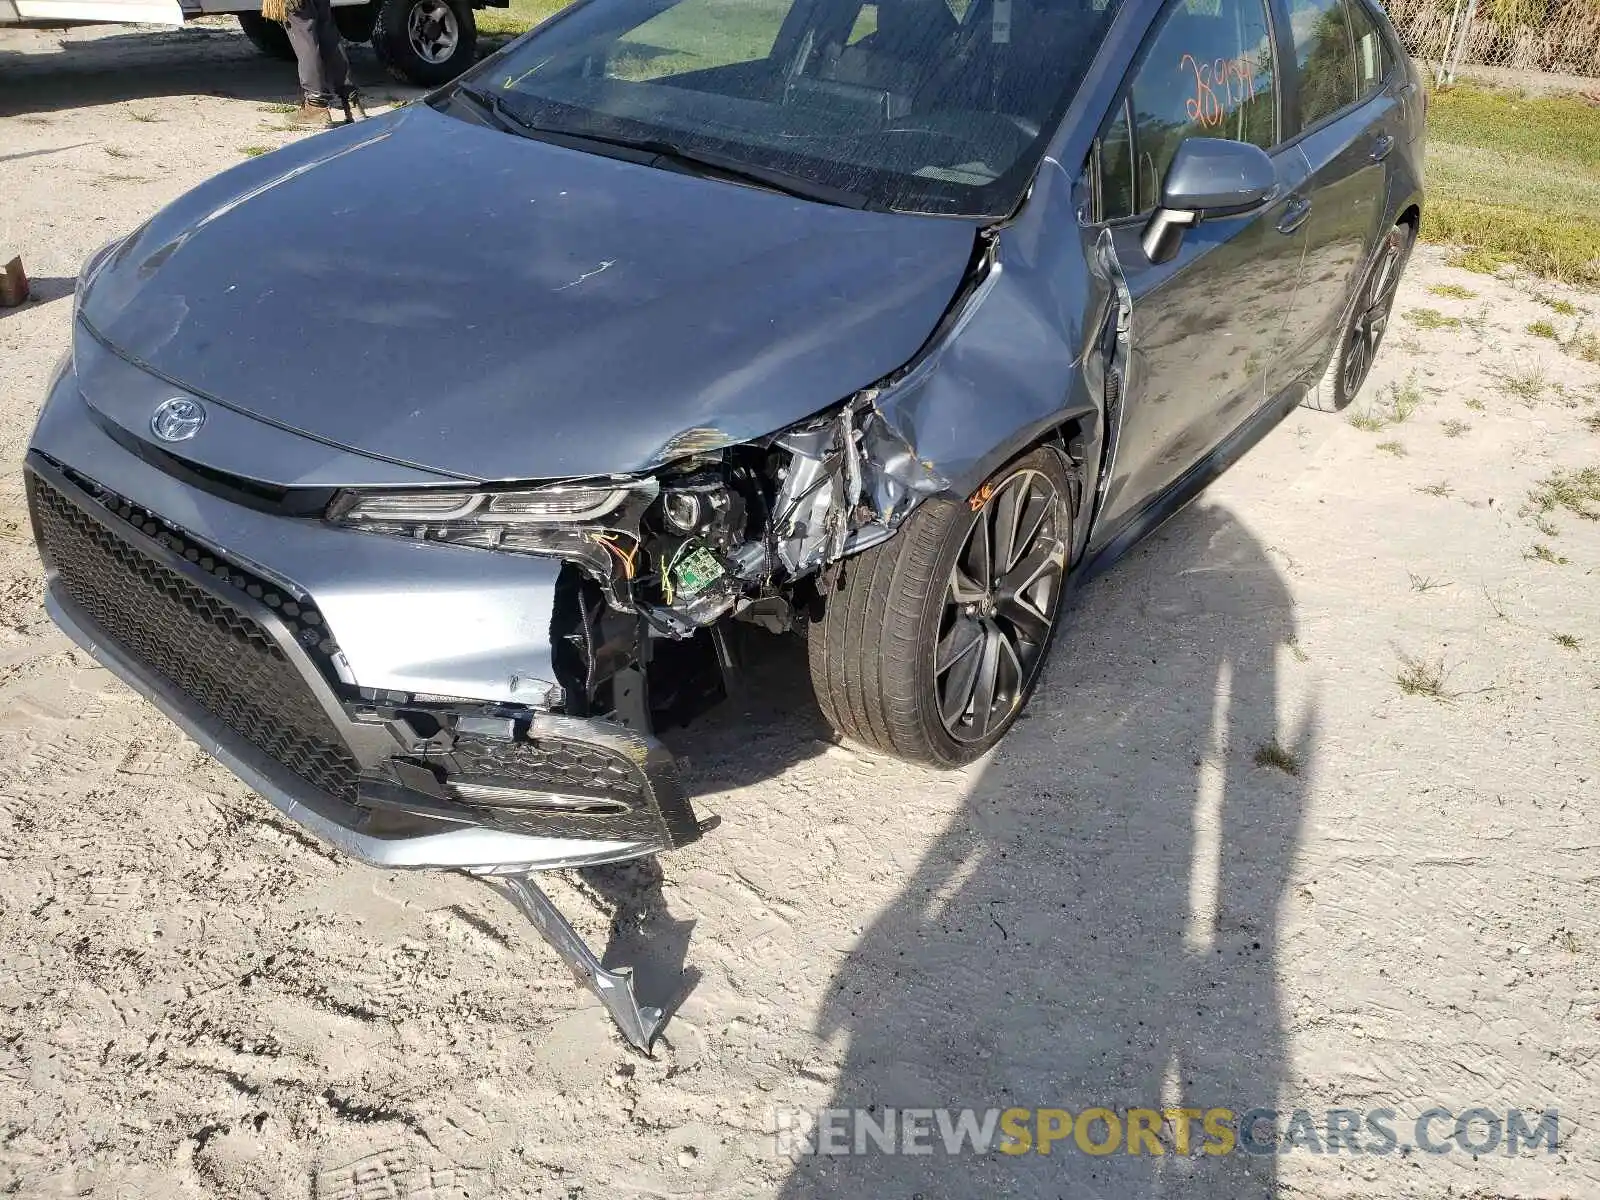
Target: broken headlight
point(595, 525)
point(502, 513)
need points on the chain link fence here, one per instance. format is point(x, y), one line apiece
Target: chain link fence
point(1544, 36)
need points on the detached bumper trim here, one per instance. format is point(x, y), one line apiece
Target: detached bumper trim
point(483, 851)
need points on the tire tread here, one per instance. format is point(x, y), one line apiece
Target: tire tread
point(865, 651)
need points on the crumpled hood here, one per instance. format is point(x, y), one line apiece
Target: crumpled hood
point(440, 294)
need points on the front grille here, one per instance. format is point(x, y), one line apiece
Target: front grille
point(548, 765)
point(200, 643)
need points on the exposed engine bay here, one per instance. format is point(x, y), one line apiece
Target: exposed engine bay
point(654, 564)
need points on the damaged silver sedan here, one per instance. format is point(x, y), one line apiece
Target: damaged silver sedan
point(421, 469)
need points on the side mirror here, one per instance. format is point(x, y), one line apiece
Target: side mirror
point(1208, 176)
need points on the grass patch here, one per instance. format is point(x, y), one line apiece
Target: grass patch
point(1574, 491)
point(1593, 423)
point(1515, 180)
point(1394, 409)
point(1404, 399)
point(1470, 258)
point(1565, 247)
point(1426, 583)
point(254, 151)
point(1477, 405)
point(1496, 603)
point(1584, 344)
point(1525, 383)
point(1542, 329)
point(1272, 754)
point(282, 110)
point(145, 118)
point(1442, 489)
point(522, 16)
point(1556, 304)
point(117, 152)
point(1452, 291)
point(1394, 448)
point(1419, 677)
point(1432, 318)
point(1566, 641)
point(1454, 428)
point(1554, 129)
point(1539, 552)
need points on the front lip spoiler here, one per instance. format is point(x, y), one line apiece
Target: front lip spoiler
point(470, 848)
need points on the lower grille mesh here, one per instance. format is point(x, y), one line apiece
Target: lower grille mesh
point(549, 765)
point(216, 654)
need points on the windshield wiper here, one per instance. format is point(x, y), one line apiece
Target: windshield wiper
point(700, 162)
point(493, 107)
point(717, 166)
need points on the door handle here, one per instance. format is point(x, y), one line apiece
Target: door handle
point(1381, 148)
point(1295, 214)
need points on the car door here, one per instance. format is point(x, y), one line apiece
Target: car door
point(1204, 324)
point(1347, 123)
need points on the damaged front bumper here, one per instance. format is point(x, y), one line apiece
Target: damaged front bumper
point(428, 672)
point(490, 789)
point(264, 673)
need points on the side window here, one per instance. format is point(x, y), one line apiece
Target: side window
point(1207, 71)
point(1371, 58)
point(1325, 54)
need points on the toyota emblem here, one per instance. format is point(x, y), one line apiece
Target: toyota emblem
point(177, 420)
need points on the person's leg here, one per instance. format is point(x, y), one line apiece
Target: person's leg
point(335, 64)
point(301, 25)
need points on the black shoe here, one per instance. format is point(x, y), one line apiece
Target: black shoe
point(354, 109)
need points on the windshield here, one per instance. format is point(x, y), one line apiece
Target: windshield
point(940, 106)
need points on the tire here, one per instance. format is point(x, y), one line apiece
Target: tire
point(269, 37)
point(1362, 334)
point(425, 42)
point(874, 652)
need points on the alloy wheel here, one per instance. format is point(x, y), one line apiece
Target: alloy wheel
point(999, 605)
point(1372, 317)
point(433, 30)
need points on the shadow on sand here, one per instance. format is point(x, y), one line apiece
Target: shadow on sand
point(1099, 926)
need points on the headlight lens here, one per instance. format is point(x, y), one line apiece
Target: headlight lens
point(562, 504)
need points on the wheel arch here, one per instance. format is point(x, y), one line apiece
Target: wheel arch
point(1074, 434)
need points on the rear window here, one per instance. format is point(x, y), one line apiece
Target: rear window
point(939, 106)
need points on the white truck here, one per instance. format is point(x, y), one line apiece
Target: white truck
point(425, 42)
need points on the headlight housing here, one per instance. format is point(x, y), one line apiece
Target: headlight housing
point(592, 523)
point(497, 513)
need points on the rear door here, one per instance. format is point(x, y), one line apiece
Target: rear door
point(1203, 325)
point(1348, 123)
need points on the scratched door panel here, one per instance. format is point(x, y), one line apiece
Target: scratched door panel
point(1204, 324)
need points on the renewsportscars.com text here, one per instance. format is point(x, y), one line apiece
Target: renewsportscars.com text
point(1149, 1131)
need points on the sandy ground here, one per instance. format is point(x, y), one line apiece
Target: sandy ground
point(1120, 907)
